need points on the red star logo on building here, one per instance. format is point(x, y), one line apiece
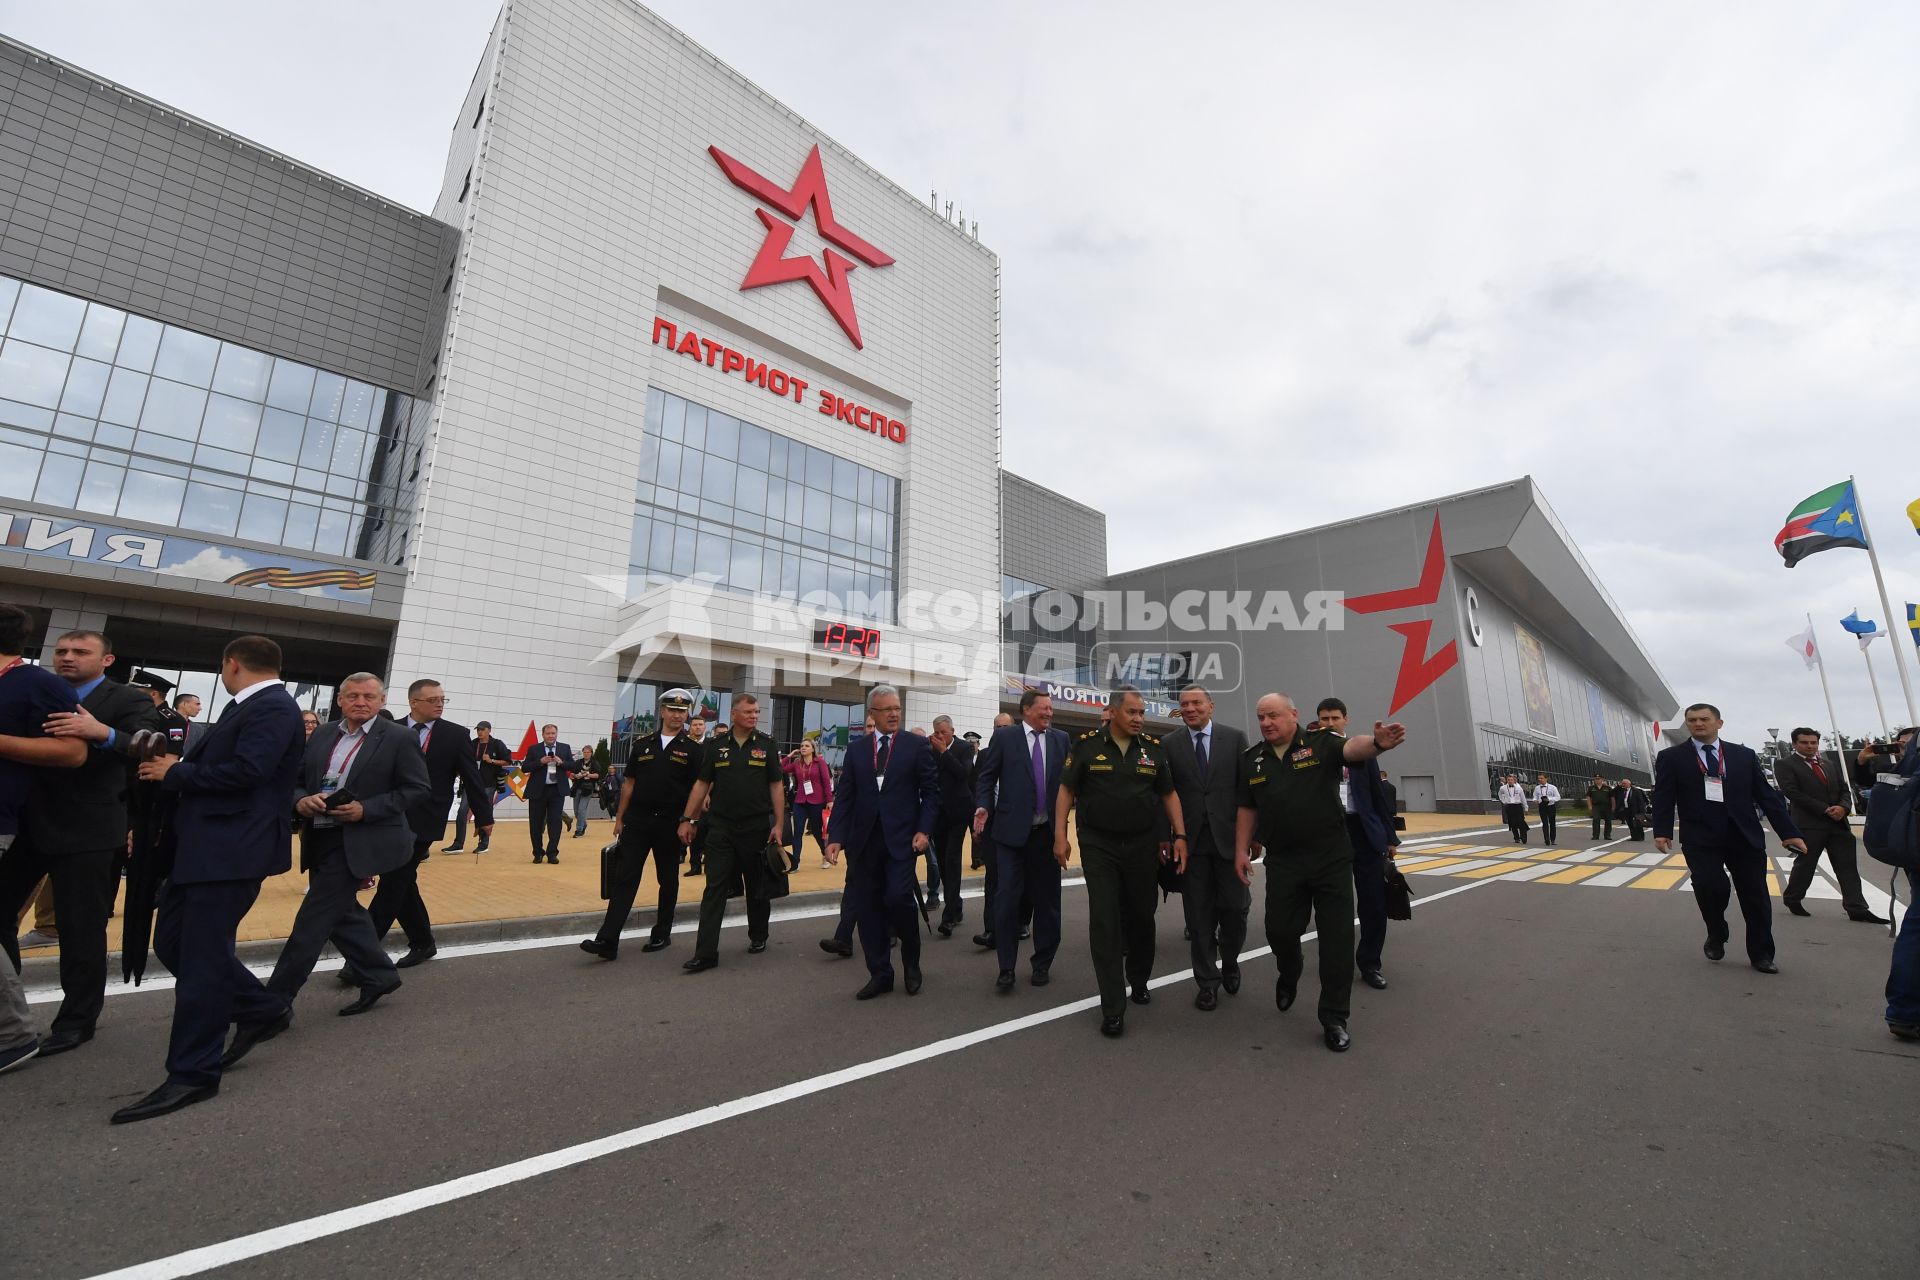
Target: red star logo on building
point(1417, 670)
point(772, 266)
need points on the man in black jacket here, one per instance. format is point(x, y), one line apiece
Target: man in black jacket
point(953, 757)
point(493, 759)
point(76, 827)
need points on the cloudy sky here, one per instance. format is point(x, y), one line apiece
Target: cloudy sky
point(1664, 258)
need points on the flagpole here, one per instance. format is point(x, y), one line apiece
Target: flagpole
point(1886, 726)
point(1833, 721)
point(1873, 558)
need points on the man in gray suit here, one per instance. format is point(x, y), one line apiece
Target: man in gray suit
point(1204, 758)
point(1816, 792)
point(378, 764)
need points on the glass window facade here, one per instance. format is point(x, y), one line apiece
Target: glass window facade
point(748, 510)
point(118, 415)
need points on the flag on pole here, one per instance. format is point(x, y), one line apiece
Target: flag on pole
point(1913, 514)
point(532, 736)
point(1830, 518)
point(1913, 622)
point(1865, 630)
point(1803, 645)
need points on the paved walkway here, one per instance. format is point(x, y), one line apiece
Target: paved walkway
point(506, 884)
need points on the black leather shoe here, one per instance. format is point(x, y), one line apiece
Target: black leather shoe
point(554, 858)
point(1794, 908)
point(455, 848)
point(874, 987)
point(1373, 978)
point(350, 977)
point(1112, 1028)
point(1905, 1030)
point(913, 979)
point(605, 950)
point(1040, 978)
point(1025, 934)
point(539, 858)
point(1230, 981)
point(1283, 995)
point(1766, 966)
point(417, 955)
point(983, 940)
point(1206, 1001)
point(946, 928)
point(62, 1041)
point(1004, 983)
point(659, 942)
point(756, 945)
point(167, 1098)
point(369, 996)
point(250, 1034)
point(1715, 950)
point(1141, 995)
point(1337, 1038)
point(700, 964)
point(1862, 917)
point(835, 947)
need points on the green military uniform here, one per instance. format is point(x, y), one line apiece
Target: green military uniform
point(1117, 794)
point(659, 778)
point(1294, 788)
point(1600, 807)
point(742, 778)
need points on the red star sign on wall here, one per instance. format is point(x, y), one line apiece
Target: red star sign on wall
point(772, 266)
point(1417, 670)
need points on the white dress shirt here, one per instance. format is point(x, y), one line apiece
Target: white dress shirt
point(1547, 793)
point(1515, 794)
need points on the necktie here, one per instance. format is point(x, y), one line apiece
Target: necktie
point(1713, 764)
point(1818, 772)
point(884, 754)
point(1200, 751)
point(1037, 748)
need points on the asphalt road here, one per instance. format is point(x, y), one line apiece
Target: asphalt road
point(1557, 1083)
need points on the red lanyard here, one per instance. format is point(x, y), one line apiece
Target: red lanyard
point(11, 665)
point(352, 751)
point(429, 738)
point(1720, 765)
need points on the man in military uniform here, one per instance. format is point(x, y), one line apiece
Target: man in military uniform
point(1600, 800)
point(158, 687)
point(697, 847)
point(661, 768)
point(1290, 803)
point(741, 773)
point(1119, 777)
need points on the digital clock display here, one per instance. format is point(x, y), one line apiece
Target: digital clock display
point(839, 637)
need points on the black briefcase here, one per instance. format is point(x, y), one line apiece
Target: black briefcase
point(775, 880)
point(607, 854)
point(1172, 879)
point(1399, 895)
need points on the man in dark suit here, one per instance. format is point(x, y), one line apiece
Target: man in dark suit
point(376, 761)
point(1370, 831)
point(1203, 757)
point(549, 766)
point(886, 803)
point(1715, 787)
point(1816, 792)
point(1018, 787)
point(493, 759)
point(448, 751)
point(953, 756)
point(985, 857)
point(1630, 805)
point(232, 828)
point(75, 829)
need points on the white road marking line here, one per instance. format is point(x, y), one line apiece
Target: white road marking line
point(1533, 872)
point(274, 1239)
point(1613, 877)
point(1460, 867)
point(1585, 855)
point(1820, 888)
point(1648, 860)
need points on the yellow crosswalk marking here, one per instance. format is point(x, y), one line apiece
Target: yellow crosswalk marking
point(1675, 861)
point(1498, 851)
point(1497, 869)
point(1773, 884)
point(1615, 859)
point(1430, 864)
point(1658, 880)
point(1550, 855)
point(1424, 850)
point(1572, 875)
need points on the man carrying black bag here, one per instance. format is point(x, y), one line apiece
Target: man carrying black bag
point(661, 768)
point(1370, 829)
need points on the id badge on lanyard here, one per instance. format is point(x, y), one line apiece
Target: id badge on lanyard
point(1346, 790)
point(1715, 783)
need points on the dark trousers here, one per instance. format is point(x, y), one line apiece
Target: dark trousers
point(1028, 873)
point(212, 989)
point(989, 913)
point(1515, 816)
point(804, 819)
point(655, 833)
point(1123, 889)
point(1711, 867)
point(546, 815)
point(729, 846)
point(482, 818)
point(881, 883)
point(1903, 976)
point(1602, 820)
point(1215, 904)
point(331, 910)
point(398, 898)
point(934, 878)
point(948, 839)
point(83, 891)
point(1549, 821)
point(1835, 842)
point(1369, 897)
point(1319, 886)
point(849, 904)
point(697, 847)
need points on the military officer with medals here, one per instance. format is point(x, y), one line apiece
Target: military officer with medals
point(1290, 802)
point(1121, 782)
point(661, 769)
point(740, 774)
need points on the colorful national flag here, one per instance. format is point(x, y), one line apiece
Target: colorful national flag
point(1865, 630)
point(526, 742)
point(1803, 645)
point(1830, 518)
point(1913, 514)
point(1913, 622)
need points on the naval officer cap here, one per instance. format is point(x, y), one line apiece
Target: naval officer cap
point(149, 680)
point(677, 700)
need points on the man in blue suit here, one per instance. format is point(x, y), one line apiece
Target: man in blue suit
point(232, 828)
point(549, 766)
point(1018, 784)
point(1370, 831)
point(885, 805)
point(1716, 787)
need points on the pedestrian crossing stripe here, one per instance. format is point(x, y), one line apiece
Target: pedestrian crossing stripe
point(1596, 868)
point(1613, 859)
point(1497, 869)
point(1659, 880)
point(1571, 875)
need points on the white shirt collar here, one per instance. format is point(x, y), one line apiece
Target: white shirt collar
point(254, 688)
